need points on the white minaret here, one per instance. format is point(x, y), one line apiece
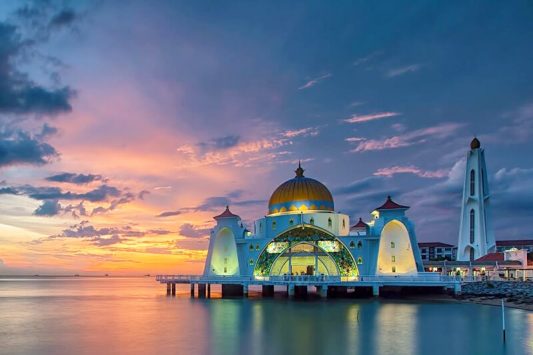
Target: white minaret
point(476, 237)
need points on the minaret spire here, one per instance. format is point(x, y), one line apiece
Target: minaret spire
point(476, 237)
point(299, 171)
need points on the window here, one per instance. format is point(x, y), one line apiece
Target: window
point(359, 260)
point(260, 227)
point(394, 269)
point(472, 182)
point(392, 245)
point(225, 270)
point(472, 225)
point(274, 225)
point(352, 244)
point(257, 247)
point(359, 245)
point(393, 258)
point(472, 255)
point(483, 182)
point(343, 223)
point(312, 221)
point(251, 247)
point(291, 221)
point(329, 222)
point(225, 260)
point(251, 261)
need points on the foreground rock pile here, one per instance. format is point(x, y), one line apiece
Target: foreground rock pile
point(513, 291)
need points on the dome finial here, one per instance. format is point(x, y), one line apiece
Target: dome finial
point(299, 172)
point(475, 144)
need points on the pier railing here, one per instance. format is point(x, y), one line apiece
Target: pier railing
point(420, 278)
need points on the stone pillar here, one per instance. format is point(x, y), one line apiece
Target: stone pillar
point(201, 290)
point(192, 290)
point(168, 288)
point(375, 290)
point(208, 290)
point(322, 291)
point(290, 290)
point(173, 289)
point(267, 290)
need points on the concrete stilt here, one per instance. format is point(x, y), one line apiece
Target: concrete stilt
point(173, 289)
point(322, 291)
point(229, 290)
point(201, 290)
point(290, 290)
point(267, 290)
point(208, 290)
point(457, 288)
point(168, 288)
point(375, 290)
point(192, 290)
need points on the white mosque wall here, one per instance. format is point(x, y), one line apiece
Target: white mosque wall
point(272, 225)
point(224, 259)
point(395, 255)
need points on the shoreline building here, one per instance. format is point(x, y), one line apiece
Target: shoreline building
point(476, 236)
point(303, 235)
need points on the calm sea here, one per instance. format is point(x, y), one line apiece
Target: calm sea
point(134, 316)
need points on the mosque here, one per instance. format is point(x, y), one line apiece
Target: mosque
point(303, 235)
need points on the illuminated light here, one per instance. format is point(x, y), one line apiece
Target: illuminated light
point(282, 209)
point(277, 247)
point(330, 246)
point(293, 208)
point(303, 208)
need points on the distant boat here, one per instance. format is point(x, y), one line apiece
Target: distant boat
point(147, 275)
point(106, 275)
point(77, 275)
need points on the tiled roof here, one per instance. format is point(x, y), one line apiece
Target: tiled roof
point(435, 244)
point(226, 214)
point(510, 243)
point(491, 257)
point(359, 225)
point(391, 205)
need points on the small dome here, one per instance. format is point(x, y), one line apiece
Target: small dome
point(475, 144)
point(300, 194)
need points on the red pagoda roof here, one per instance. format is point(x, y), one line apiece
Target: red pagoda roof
point(491, 257)
point(391, 205)
point(226, 214)
point(359, 224)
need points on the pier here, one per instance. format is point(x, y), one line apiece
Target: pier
point(298, 286)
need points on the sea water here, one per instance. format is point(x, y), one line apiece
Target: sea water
point(79, 315)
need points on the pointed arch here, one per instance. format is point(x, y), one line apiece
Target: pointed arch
point(401, 258)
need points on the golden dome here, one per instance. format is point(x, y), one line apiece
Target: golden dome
point(300, 194)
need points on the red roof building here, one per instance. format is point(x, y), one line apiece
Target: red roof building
point(359, 225)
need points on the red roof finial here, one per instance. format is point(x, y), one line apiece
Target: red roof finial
point(391, 205)
point(226, 214)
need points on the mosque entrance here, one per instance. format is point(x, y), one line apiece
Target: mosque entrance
point(304, 259)
point(305, 251)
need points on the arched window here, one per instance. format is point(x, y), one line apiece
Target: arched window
point(274, 225)
point(260, 227)
point(392, 245)
point(360, 260)
point(291, 221)
point(472, 182)
point(312, 221)
point(251, 247)
point(472, 256)
point(251, 261)
point(394, 269)
point(343, 223)
point(472, 225)
point(359, 245)
point(257, 247)
point(352, 244)
point(329, 222)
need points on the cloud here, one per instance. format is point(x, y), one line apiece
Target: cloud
point(48, 208)
point(314, 81)
point(520, 129)
point(370, 117)
point(224, 142)
point(21, 148)
point(304, 132)
point(79, 179)
point(168, 214)
point(402, 70)
point(393, 170)
point(18, 94)
point(63, 18)
point(408, 139)
point(365, 59)
point(190, 231)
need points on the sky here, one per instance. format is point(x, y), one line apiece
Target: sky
point(125, 126)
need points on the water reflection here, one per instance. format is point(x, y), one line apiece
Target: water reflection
point(134, 316)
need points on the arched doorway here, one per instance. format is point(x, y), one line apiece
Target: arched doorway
point(309, 251)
